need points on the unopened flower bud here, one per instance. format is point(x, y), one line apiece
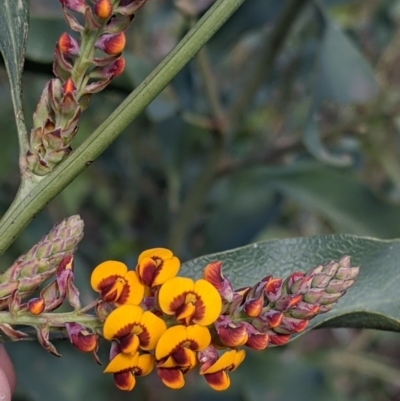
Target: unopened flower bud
point(103, 8)
point(67, 44)
point(273, 289)
point(304, 310)
point(291, 325)
point(81, 338)
point(302, 285)
point(287, 302)
point(253, 307)
point(231, 334)
point(111, 44)
point(278, 339)
point(213, 274)
point(36, 306)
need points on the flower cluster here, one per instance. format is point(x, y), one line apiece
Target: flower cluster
point(155, 319)
point(80, 72)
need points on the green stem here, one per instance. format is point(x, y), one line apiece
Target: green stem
point(55, 321)
point(23, 209)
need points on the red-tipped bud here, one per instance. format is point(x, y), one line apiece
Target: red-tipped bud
point(103, 8)
point(253, 307)
point(304, 310)
point(81, 338)
point(273, 289)
point(231, 334)
point(268, 320)
point(314, 295)
point(69, 86)
point(111, 44)
point(36, 306)
point(64, 271)
point(295, 276)
point(290, 325)
point(74, 5)
point(67, 44)
point(213, 274)
point(278, 339)
point(288, 302)
point(301, 286)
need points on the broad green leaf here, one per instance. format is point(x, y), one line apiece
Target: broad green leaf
point(343, 74)
point(14, 16)
point(350, 206)
point(374, 300)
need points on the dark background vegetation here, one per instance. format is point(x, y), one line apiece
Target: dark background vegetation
point(287, 124)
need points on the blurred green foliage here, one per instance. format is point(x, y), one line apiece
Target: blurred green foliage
point(286, 125)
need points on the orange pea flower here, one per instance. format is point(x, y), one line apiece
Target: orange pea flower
point(217, 374)
point(116, 284)
point(156, 266)
point(133, 328)
point(191, 302)
point(176, 352)
point(126, 367)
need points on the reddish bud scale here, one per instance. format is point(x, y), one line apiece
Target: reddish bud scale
point(103, 8)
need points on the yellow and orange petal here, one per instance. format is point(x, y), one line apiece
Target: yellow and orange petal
point(116, 284)
point(141, 365)
point(172, 378)
point(125, 381)
point(133, 328)
point(217, 376)
point(195, 338)
point(156, 266)
point(191, 302)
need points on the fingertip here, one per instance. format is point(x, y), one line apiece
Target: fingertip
point(5, 389)
point(8, 373)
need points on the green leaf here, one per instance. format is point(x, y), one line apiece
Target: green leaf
point(339, 196)
point(13, 37)
point(373, 302)
point(343, 73)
